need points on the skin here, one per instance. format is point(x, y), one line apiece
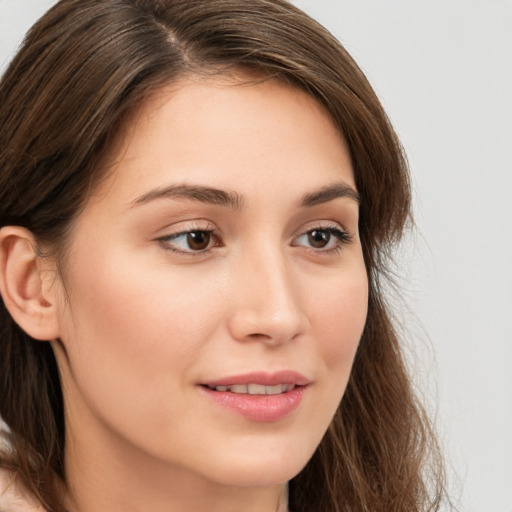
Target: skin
point(143, 321)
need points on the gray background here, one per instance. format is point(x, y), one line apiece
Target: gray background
point(443, 69)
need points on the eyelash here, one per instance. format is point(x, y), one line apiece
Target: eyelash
point(167, 239)
point(342, 237)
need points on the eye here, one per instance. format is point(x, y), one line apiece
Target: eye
point(190, 242)
point(323, 239)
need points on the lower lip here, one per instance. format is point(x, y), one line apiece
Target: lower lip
point(260, 408)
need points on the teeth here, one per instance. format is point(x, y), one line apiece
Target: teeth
point(238, 388)
point(275, 390)
point(256, 389)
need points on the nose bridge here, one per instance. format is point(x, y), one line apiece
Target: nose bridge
point(269, 303)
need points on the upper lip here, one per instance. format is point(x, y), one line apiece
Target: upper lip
point(263, 378)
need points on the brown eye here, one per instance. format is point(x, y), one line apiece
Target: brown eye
point(319, 238)
point(323, 240)
point(198, 240)
point(195, 241)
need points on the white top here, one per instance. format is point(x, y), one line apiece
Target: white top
point(13, 498)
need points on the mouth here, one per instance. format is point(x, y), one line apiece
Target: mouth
point(254, 389)
point(259, 397)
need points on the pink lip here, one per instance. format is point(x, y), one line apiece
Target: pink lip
point(259, 408)
point(263, 378)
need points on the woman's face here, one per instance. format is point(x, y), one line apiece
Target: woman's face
point(215, 289)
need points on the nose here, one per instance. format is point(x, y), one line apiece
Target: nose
point(267, 303)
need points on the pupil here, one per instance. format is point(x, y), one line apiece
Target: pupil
point(198, 240)
point(319, 238)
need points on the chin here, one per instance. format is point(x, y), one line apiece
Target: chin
point(256, 477)
point(259, 471)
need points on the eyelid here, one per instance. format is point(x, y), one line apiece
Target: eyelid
point(321, 224)
point(184, 229)
point(343, 236)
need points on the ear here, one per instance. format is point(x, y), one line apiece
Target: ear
point(26, 284)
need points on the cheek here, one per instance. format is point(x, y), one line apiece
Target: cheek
point(127, 333)
point(340, 316)
point(120, 298)
point(131, 338)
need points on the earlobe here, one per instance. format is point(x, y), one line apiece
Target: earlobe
point(22, 284)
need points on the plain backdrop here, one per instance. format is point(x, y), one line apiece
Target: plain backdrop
point(443, 70)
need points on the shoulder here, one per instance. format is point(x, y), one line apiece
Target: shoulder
point(12, 496)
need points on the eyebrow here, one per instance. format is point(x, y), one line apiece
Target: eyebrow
point(329, 193)
point(196, 193)
point(235, 201)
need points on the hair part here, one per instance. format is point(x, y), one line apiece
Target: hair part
point(82, 71)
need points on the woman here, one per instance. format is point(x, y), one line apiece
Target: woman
point(197, 201)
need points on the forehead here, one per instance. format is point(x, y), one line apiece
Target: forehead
point(229, 131)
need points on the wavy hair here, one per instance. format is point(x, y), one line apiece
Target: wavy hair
point(81, 71)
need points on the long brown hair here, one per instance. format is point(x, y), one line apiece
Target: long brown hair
point(83, 68)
